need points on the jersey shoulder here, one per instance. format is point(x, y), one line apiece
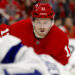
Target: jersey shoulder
point(22, 23)
point(58, 36)
point(20, 27)
point(59, 33)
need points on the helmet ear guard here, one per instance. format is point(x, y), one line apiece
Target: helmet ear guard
point(43, 10)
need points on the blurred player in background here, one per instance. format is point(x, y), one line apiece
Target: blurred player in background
point(69, 27)
point(41, 33)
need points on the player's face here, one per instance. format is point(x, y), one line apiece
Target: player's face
point(42, 26)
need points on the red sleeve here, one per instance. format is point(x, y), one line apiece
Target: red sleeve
point(65, 53)
point(13, 29)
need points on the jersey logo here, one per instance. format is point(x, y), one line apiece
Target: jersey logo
point(52, 68)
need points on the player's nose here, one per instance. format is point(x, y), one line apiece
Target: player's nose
point(42, 26)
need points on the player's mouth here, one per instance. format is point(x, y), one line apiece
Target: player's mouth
point(42, 31)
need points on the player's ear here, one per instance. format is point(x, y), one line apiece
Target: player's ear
point(52, 21)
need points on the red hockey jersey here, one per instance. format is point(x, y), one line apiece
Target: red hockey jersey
point(54, 44)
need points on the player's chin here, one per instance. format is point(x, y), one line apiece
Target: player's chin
point(42, 33)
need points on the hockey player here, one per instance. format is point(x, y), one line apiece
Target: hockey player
point(41, 33)
point(16, 59)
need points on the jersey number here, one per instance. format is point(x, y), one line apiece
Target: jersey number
point(66, 49)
